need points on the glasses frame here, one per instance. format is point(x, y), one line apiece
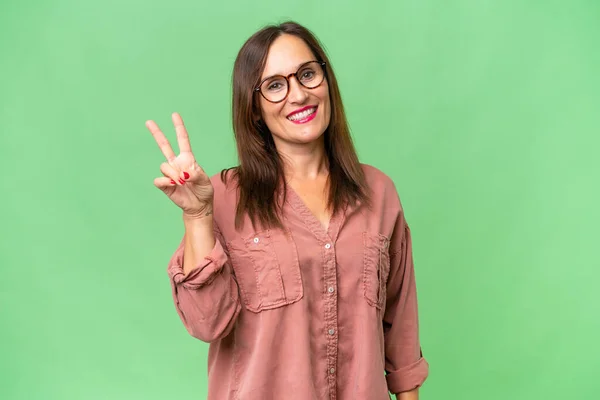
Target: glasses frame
point(287, 78)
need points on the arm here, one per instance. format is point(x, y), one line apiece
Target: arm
point(411, 395)
point(205, 292)
point(405, 366)
point(199, 240)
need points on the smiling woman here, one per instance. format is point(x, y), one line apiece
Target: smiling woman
point(302, 106)
point(296, 265)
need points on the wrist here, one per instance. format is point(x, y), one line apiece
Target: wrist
point(202, 217)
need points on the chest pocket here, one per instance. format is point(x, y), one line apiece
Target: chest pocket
point(376, 268)
point(267, 269)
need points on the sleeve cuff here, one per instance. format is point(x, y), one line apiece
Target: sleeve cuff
point(408, 378)
point(200, 275)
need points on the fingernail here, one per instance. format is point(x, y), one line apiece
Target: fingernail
point(181, 181)
point(186, 175)
point(172, 182)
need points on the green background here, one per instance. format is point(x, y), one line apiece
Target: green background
point(485, 114)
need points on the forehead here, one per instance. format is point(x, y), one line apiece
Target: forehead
point(285, 55)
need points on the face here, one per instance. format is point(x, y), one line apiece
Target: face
point(304, 115)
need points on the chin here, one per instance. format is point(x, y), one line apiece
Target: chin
point(310, 136)
point(298, 134)
point(311, 131)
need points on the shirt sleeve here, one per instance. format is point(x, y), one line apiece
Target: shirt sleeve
point(207, 299)
point(406, 369)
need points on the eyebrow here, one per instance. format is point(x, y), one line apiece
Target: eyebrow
point(296, 69)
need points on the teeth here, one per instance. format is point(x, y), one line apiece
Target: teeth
point(302, 115)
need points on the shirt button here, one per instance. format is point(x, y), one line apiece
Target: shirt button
point(331, 331)
point(327, 246)
point(330, 289)
point(255, 240)
point(332, 371)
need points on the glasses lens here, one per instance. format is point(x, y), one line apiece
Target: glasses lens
point(274, 89)
point(311, 75)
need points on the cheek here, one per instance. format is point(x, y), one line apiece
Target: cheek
point(327, 103)
point(324, 96)
point(267, 111)
point(271, 115)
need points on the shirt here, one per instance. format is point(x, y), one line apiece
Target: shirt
point(301, 313)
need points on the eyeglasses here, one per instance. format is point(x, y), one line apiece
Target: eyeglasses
point(276, 88)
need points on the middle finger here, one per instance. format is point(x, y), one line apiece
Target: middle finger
point(182, 136)
point(161, 140)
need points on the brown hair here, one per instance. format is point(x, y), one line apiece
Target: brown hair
point(260, 174)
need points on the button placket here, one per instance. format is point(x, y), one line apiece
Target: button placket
point(331, 314)
point(326, 238)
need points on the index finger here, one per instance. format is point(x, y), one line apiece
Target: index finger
point(161, 140)
point(182, 136)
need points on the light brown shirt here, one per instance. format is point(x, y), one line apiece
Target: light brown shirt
point(304, 313)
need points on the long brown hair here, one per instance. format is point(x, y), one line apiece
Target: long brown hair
point(260, 174)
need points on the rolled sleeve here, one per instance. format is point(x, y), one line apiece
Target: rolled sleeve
point(409, 377)
point(207, 298)
point(202, 274)
point(404, 363)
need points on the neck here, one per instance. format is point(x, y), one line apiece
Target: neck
point(304, 162)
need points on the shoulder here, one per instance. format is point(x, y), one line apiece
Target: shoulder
point(382, 187)
point(376, 178)
point(225, 187)
point(224, 181)
point(225, 201)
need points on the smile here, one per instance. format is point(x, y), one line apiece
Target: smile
point(304, 115)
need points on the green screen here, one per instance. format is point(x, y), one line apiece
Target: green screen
point(484, 113)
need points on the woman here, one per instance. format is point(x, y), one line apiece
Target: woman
point(296, 271)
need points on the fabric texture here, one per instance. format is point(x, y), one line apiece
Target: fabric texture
point(303, 313)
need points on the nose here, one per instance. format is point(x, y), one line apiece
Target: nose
point(297, 92)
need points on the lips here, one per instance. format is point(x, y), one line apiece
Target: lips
point(303, 115)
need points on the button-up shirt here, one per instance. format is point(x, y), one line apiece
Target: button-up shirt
point(304, 313)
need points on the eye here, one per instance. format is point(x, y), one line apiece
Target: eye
point(307, 74)
point(275, 85)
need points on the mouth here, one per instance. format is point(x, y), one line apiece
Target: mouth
point(303, 115)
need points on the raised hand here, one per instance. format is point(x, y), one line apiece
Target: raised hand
point(183, 180)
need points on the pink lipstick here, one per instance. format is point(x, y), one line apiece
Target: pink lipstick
point(303, 115)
